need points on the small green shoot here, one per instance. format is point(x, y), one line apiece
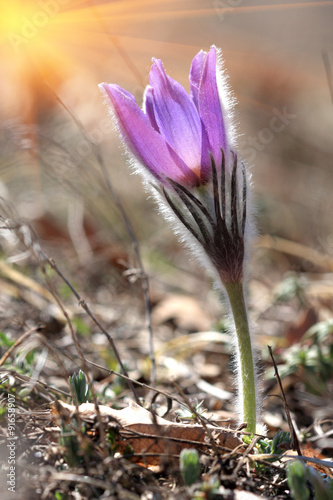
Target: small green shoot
point(311, 359)
point(112, 437)
point(209, 490)
point(185, 413)
point(128, 451)
point(60, 496)
point(297, 480)
point(190, 466)
point(69, 441)
point(79, 387)
point(276, 446)
point(301, 477)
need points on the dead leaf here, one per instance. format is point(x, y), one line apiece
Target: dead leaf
point(152, 437)
point(185, 312)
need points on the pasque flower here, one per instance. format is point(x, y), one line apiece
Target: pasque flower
point(183, 145)
point(176, 133)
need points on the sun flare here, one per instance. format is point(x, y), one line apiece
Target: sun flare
point(47, 41)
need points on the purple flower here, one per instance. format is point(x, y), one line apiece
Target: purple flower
point(183, 140)
point(176, 134)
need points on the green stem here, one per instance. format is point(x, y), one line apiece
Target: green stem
point(245, 355)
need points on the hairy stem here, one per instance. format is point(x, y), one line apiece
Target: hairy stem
point(246, 367)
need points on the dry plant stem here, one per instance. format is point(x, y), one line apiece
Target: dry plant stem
point(328, 70)
point(199, 417)
point(17, 343)
point(245, 354)
point(84, 306)
point(247, 452)
point(143, 274)
point(262, 458)
point(42, 385)
point(157, 391)
point(319, 259)
point(130, 230)
point(42, 259)
point(83, 362)
point(296, 446)
point(121, 375)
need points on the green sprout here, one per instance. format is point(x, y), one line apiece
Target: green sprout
point(208, 490)
point(185, 413)
point(297, 480)
point(190, 466)
point(112, 438)
point(276, 446)
point(312, 359)
point(79, 387)
point(69, 441)
point(302, 480)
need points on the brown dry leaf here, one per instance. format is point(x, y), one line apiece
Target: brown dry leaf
point(152, 437)
point(310, 452)
point(186, 312)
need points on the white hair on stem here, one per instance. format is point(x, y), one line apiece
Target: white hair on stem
point(187, 237)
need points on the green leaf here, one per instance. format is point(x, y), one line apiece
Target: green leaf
point(281, 437)
point(5, 341)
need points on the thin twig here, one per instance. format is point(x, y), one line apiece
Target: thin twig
point(262, 458)
point(294, 437)
point(143, 274)
point(82, 359)
point(199, 417)
point(18, 342)
point(167, 395)
point(28, 380)
point(244, 456)
point(85, 306)
point(125, 377)
point(129, 228)
point(329, 73)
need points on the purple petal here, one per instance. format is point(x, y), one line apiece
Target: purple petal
point(205, 92)
point(196, 71)
point(147, 145)
point(149, 107)
point(176, 116)
point(195, 74)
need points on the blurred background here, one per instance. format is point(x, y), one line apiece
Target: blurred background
point(59, 150)
point(278, 56)
point(54, 124)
